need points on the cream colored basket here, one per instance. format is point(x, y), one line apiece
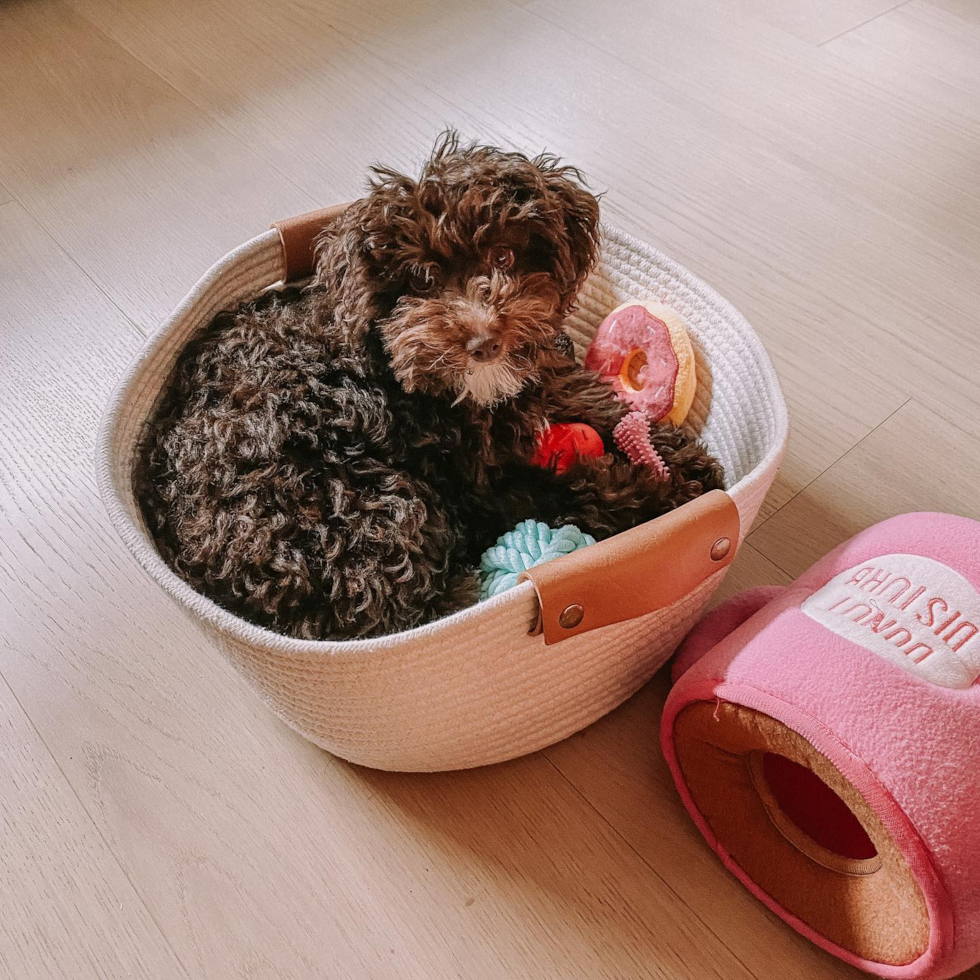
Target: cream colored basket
point(480, 686)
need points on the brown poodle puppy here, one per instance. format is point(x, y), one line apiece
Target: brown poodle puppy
point(330, 462)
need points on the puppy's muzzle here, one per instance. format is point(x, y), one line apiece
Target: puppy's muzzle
point(484, 348)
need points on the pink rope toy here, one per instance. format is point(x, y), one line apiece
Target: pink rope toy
point(632, 436)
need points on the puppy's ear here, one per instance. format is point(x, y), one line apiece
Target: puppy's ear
point(344, 270)
point(580, 215)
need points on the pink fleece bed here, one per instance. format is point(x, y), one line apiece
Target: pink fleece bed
point(824, 737)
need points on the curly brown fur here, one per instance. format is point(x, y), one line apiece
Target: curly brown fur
point(331, 462)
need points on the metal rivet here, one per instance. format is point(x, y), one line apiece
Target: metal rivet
point(720, 549)
point(571, 616)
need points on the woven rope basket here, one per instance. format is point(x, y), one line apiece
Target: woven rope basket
point(479, 687)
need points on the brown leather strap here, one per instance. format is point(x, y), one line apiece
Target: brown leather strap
point(298, 235)
point(636, 572)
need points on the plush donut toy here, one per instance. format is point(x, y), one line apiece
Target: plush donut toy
point(644, 351)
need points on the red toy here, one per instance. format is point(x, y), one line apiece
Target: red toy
point(563, 443)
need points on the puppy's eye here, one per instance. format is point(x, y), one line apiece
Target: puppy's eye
point(424, 278)
point(501, 257)
point(378, 250)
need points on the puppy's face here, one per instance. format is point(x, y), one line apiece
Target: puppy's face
point(475, 266)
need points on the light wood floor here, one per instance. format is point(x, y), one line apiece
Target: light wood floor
point(819, 163)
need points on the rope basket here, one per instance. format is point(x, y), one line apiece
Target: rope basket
point(540, 661)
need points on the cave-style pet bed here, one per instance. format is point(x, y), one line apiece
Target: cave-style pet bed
point(824, 738)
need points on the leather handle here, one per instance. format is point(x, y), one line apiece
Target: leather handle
point(636, 572)
point(298, 236)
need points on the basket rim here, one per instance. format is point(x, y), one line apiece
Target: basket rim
point(265, 246)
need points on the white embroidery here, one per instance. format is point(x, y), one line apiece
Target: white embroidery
point(915, 612)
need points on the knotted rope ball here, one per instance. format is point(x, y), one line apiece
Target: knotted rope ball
point(530, 543)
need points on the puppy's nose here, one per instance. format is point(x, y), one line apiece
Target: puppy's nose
point(483, 347)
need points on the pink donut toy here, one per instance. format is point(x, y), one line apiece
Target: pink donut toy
point(824, 738)
point(644, 351)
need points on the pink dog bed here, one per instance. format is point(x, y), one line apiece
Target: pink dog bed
point(824, 738)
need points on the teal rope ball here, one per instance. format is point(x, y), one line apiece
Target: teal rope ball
point(530, 543)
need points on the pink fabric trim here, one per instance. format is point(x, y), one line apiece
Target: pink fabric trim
point(917, 735)
point(895, 821)
point(720, 623)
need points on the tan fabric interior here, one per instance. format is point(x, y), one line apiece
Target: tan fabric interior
point(873, 907)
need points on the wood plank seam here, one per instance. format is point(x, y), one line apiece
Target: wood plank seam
point(95, 827)
point(753, 548)
point(202, 108)
point(629, 846)
point(858, 27)
point(809, 483)
point(71, 258)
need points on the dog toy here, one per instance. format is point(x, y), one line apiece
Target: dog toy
point(644, 351)
point(561, 444)
point(824, 737)
point(632, 436)
point(530, 543)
